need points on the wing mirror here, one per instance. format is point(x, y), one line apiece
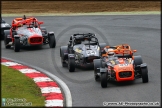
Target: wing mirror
point(41, 22)
point(134, 51)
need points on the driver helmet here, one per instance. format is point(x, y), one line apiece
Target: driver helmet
point(106, 49)
point(125, 46)
point(110, 52)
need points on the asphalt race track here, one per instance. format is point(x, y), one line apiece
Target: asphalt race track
point(142, 32)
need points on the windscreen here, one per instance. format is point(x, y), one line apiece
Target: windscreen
point(91, 41)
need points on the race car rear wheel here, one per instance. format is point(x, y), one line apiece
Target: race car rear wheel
point(144, 75)
point(97, 65)
point(103, 64)
point(17, 44)
point(102, 45)
point(52, 41)
point(138, 60)
point(71, 64)
point(63, 63)
point(7, 40)
point(104, 80)
point(97, 78)
point(44, 30)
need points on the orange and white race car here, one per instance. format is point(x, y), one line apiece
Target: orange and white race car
point(27, 32)
point(119, 64)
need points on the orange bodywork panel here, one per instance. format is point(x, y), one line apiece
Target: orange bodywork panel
point(26, 21)
point(122, 69)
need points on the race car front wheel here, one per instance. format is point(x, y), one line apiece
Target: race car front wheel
point(71, 64)
point(104, 80)
point(144, 75)
point(52, 41)
point(16, 44)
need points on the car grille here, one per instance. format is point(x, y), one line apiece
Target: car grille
point(125, 74)
point(35, 40)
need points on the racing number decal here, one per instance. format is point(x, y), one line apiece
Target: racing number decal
point(124, 67)
point(121, 65)
point(77, 50)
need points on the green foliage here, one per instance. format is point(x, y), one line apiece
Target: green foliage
point(15, 84)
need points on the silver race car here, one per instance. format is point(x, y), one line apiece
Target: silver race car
point(81, 50)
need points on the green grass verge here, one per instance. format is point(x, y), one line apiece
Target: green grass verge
point(15, 85)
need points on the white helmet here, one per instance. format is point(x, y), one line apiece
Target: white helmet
point(110, 52)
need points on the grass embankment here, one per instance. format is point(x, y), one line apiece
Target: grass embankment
point(17, 7)
point(15, 85)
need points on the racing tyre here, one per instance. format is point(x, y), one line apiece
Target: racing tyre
point(97, 78)
point(63, 63)
point(17, 44)
point(97, 65)
point(6, 42)
point(103, 64)
point(138, 61)
point(102, 45)
point(62, 50)
point(52, 41)
point(2, 35)
point(71, 64)
point(44, 30)
point(144, 75)
point(104, 80)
